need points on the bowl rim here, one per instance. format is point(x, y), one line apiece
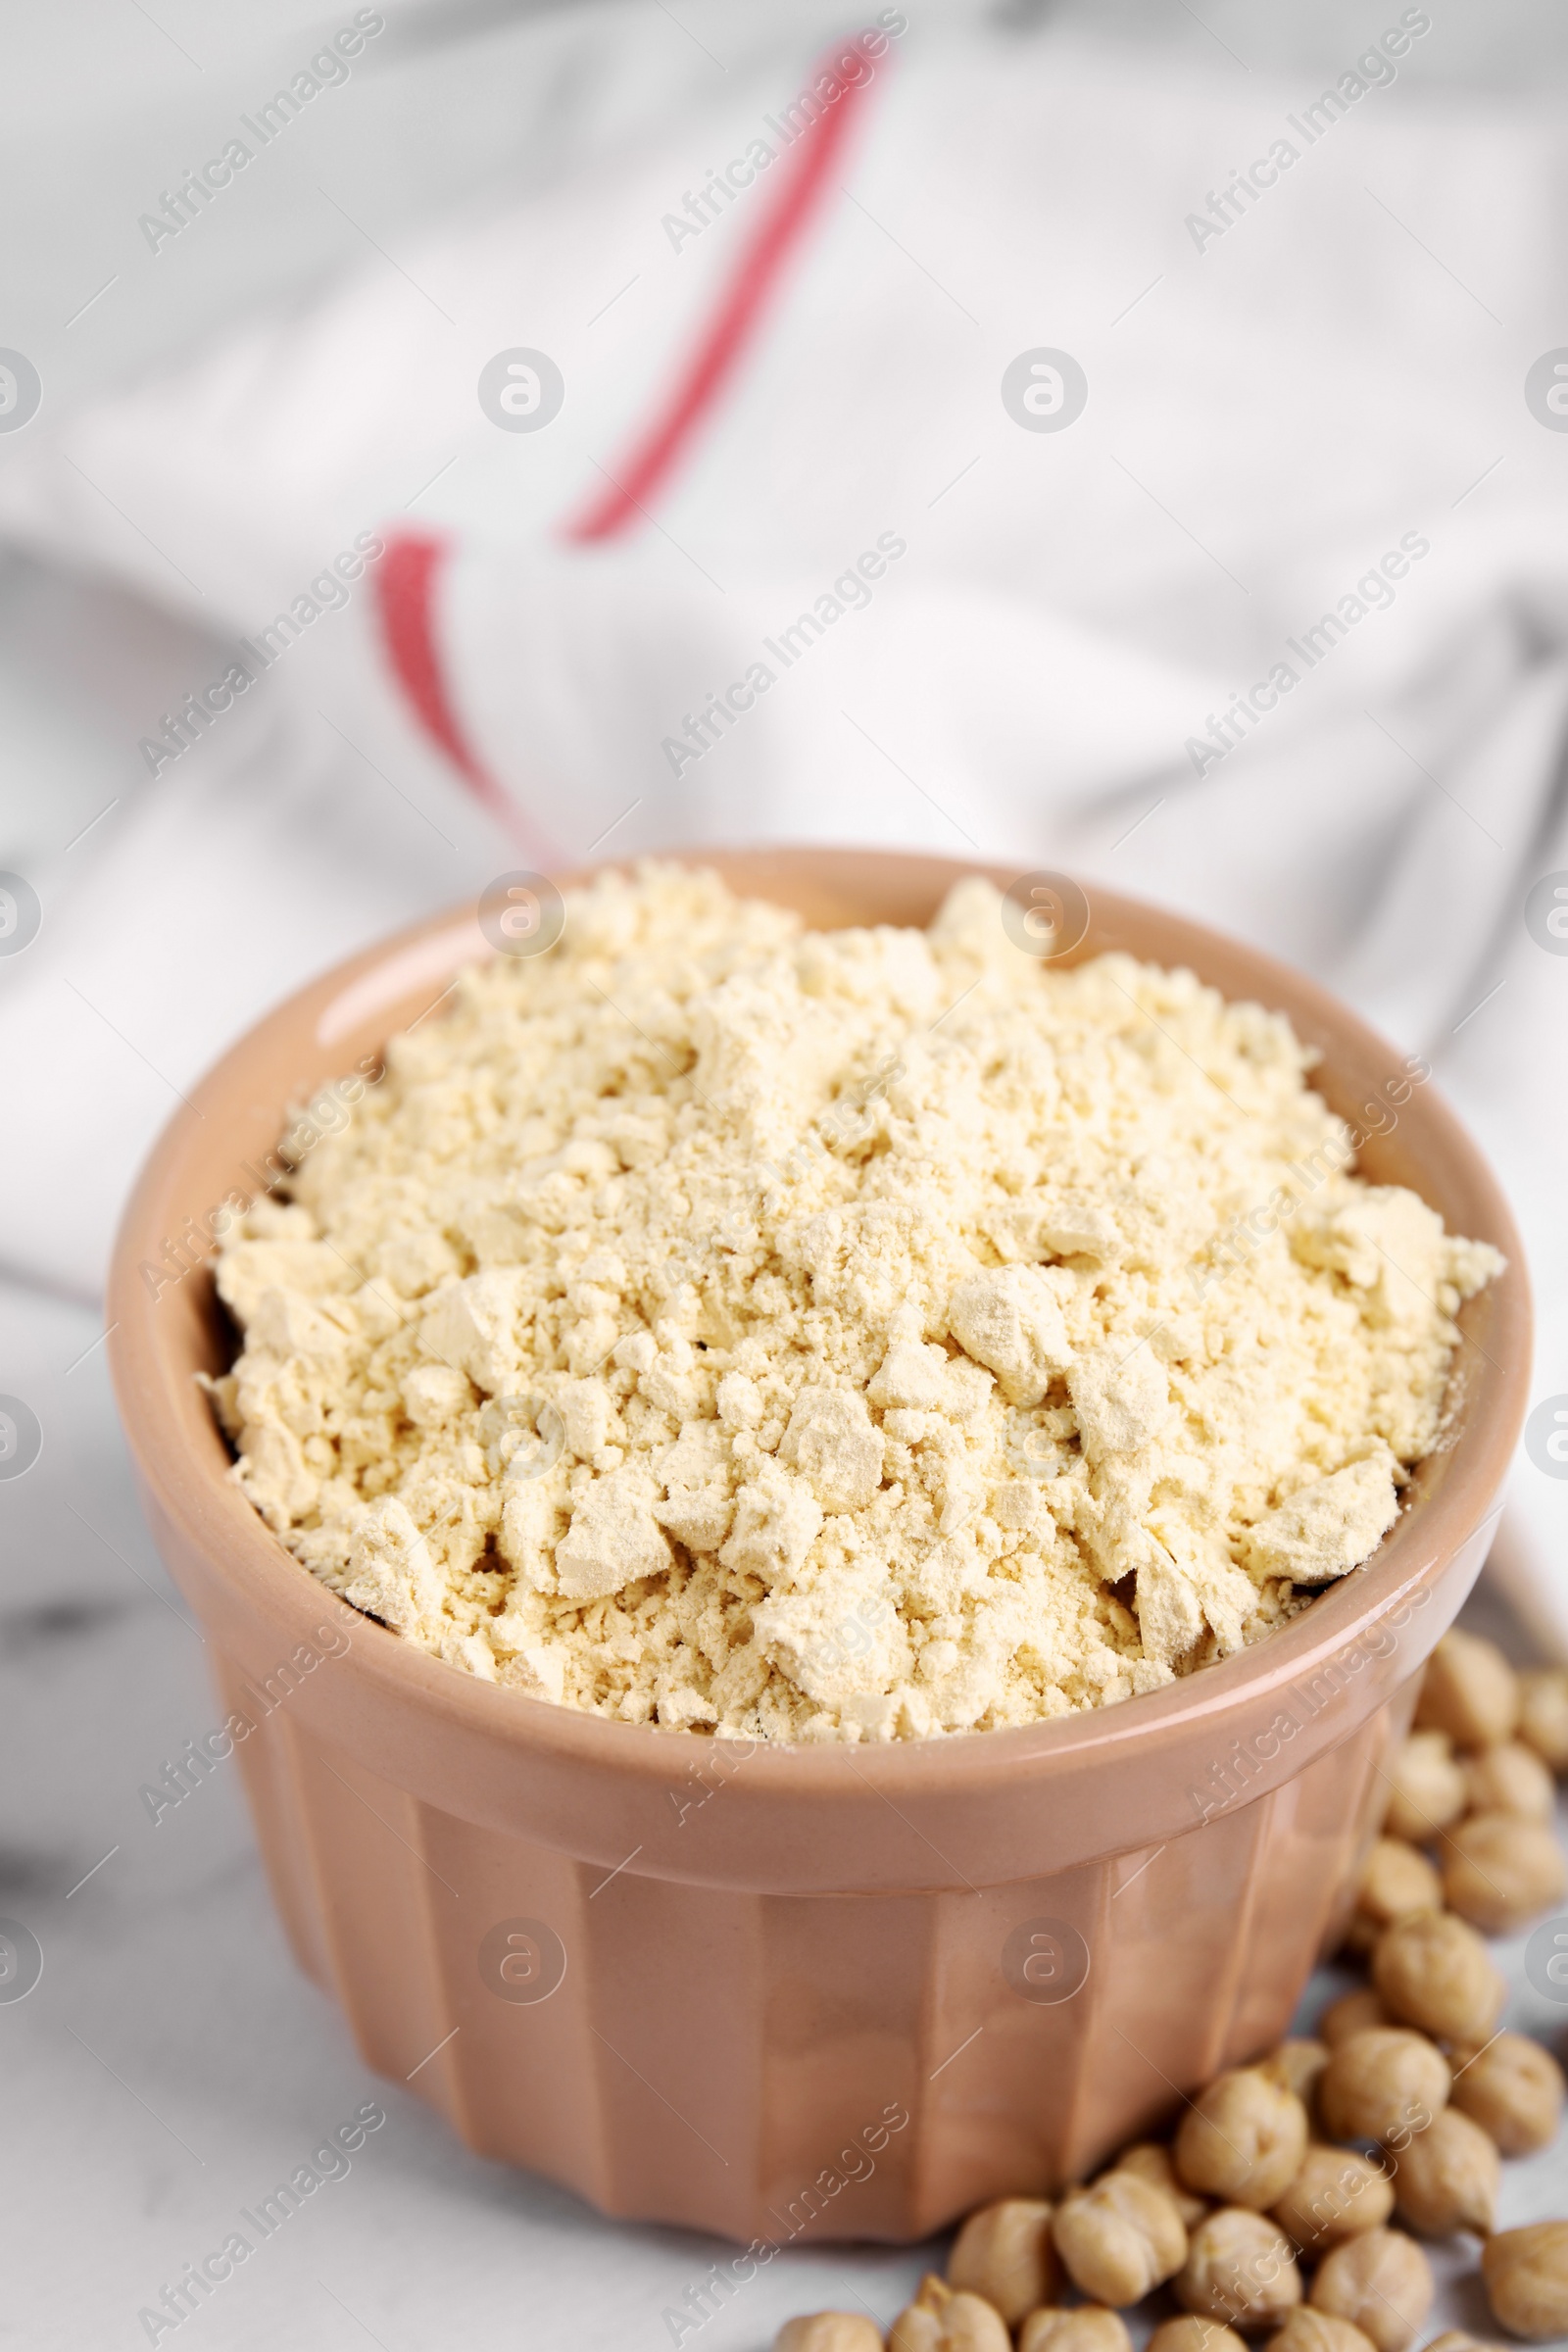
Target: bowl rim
point(210, 1515)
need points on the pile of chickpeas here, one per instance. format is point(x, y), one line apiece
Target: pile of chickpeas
point(1271, 2211)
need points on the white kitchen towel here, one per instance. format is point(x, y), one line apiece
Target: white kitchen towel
point(1272, 626)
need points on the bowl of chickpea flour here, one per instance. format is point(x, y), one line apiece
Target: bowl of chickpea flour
point(819, 1483)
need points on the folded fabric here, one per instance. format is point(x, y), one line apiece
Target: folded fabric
point(1273, 628)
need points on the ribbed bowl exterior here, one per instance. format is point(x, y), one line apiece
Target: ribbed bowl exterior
point(717, 2059)
point(791, 1993)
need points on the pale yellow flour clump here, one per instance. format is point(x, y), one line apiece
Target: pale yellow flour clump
point(853, 1335)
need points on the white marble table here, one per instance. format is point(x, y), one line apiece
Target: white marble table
point(171, 2064)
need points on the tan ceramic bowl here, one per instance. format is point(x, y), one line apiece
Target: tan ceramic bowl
point(830, 1991)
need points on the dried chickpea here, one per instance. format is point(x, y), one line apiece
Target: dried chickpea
point(1448, 2178)
point(1500, 1873)
point(1544, 1714)
point(1351, 2013)
point(1470, 1692)
point(1309, 2330)
point(1088, 2327)
point(1242, 2139)
point(1238, 2269)
point(1296, 2065)
point(1513, 2090)
point(1153, 2162)
point(1192, 2335)
point(939, 2321)
point(1435, 1973)
point(1005, 2253)
point(1382, 2084)
point(1454, 2339)
point(1334, 2196)
point(1119, 2237)
point(1380, 2282)
point(829, 2331)
point(970, 2324)
point(1397, 1879)
point(1426, 1788)
point(1526, 2272)
point(1510, 1778)
point(918, 2327)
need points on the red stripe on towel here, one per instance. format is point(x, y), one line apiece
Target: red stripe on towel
point(779, 233)
point(405, 588)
